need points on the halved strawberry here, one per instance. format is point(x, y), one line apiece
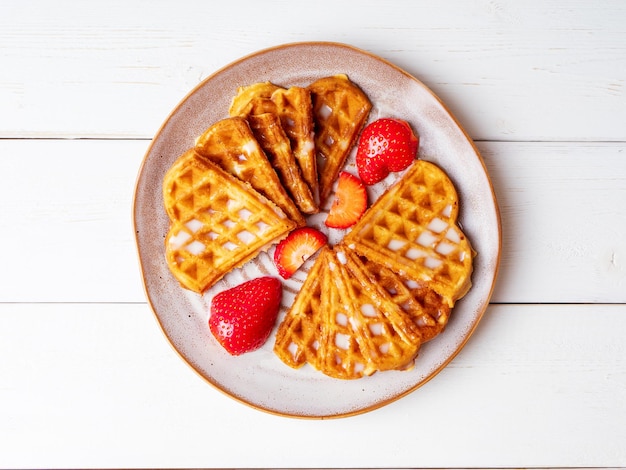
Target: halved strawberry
point(243, 317)
point(293, 251)
point(349, 204)
point(385, 145)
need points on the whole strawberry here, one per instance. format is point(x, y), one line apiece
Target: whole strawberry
point(242, 317)
point(385, 145)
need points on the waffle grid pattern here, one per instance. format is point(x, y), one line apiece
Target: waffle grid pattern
point(427, 308)
point(294, 109)
point(296, 114)
point(412, 230)
point(340, 109)
point(343, 325)
point(217, 222)
point(269, 131)
point(230, 144)
point(297, 337)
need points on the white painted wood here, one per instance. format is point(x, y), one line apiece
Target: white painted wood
point(71, 238)
point(67, 206)
point(535, 70)
point(87, 379)
point(563, 210)
point(96, 385)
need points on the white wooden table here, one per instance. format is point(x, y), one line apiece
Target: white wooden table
point(87, 379)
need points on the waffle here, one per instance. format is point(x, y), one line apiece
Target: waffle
point(384, 331)
point(297, 338)
point(218, 222)
point(274, 141)
point(246, 97)
point(231, 144)
point(343, 325)
point(340, 110)
point(294, 109)
point(296, 114)
point(368, 303)
point(425, 307)
point(412, 230)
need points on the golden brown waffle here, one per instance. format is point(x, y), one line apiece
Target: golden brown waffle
point(231, 144)
point(243, 101)
point(294, 109)
point(412, 229)
point(384, 331)
point(427, 308)
point(343, 325)
point(218, 222)
point(297, 337)
point(271, 136)
point(340, 110)
point(343, 353)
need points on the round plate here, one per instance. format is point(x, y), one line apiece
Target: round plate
point(259, 378)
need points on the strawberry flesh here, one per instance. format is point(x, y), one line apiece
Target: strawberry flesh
point(349, 204)
point(293, 251)
point(385, 145)
point(242, 317)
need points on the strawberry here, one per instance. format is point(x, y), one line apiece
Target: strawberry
point(386, 145)
point(243, 317)
point(293, 251)
point(349, 204)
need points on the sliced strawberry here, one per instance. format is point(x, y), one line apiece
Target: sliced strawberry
point(243, 317)
point(350, 202)
point(293, 251)
point(386, 145)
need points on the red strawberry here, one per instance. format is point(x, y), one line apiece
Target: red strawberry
point(293, 251)
point(385, 145)
point(350, 202)
point(243, 317)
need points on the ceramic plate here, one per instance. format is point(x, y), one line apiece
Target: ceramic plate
point(259, 378)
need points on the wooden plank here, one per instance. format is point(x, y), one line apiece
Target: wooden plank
point(97, 385)
point(545, 71)
point(565, 244)
point(71, 239)
point(67, 212)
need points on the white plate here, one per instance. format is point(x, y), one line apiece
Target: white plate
point(259, 378)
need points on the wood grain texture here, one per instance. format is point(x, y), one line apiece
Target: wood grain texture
point(509, 71)
point(72, 239)
point(87, 379)
point(536, 386)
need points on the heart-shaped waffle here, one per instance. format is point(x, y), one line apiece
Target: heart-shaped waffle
point(345, 325)
point(218, 222)
point(412, 230)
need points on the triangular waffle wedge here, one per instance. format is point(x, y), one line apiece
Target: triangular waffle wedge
point(274, 141)
point(412, 229)
point(344, 325)
point(340, 110)
point(230, 144)
point(386, 334)
point(218, 222)
point(427, 308)
point(317, 330)
point(343, 352)
point(298, 335)
point(294, 109)
point(242, 102)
